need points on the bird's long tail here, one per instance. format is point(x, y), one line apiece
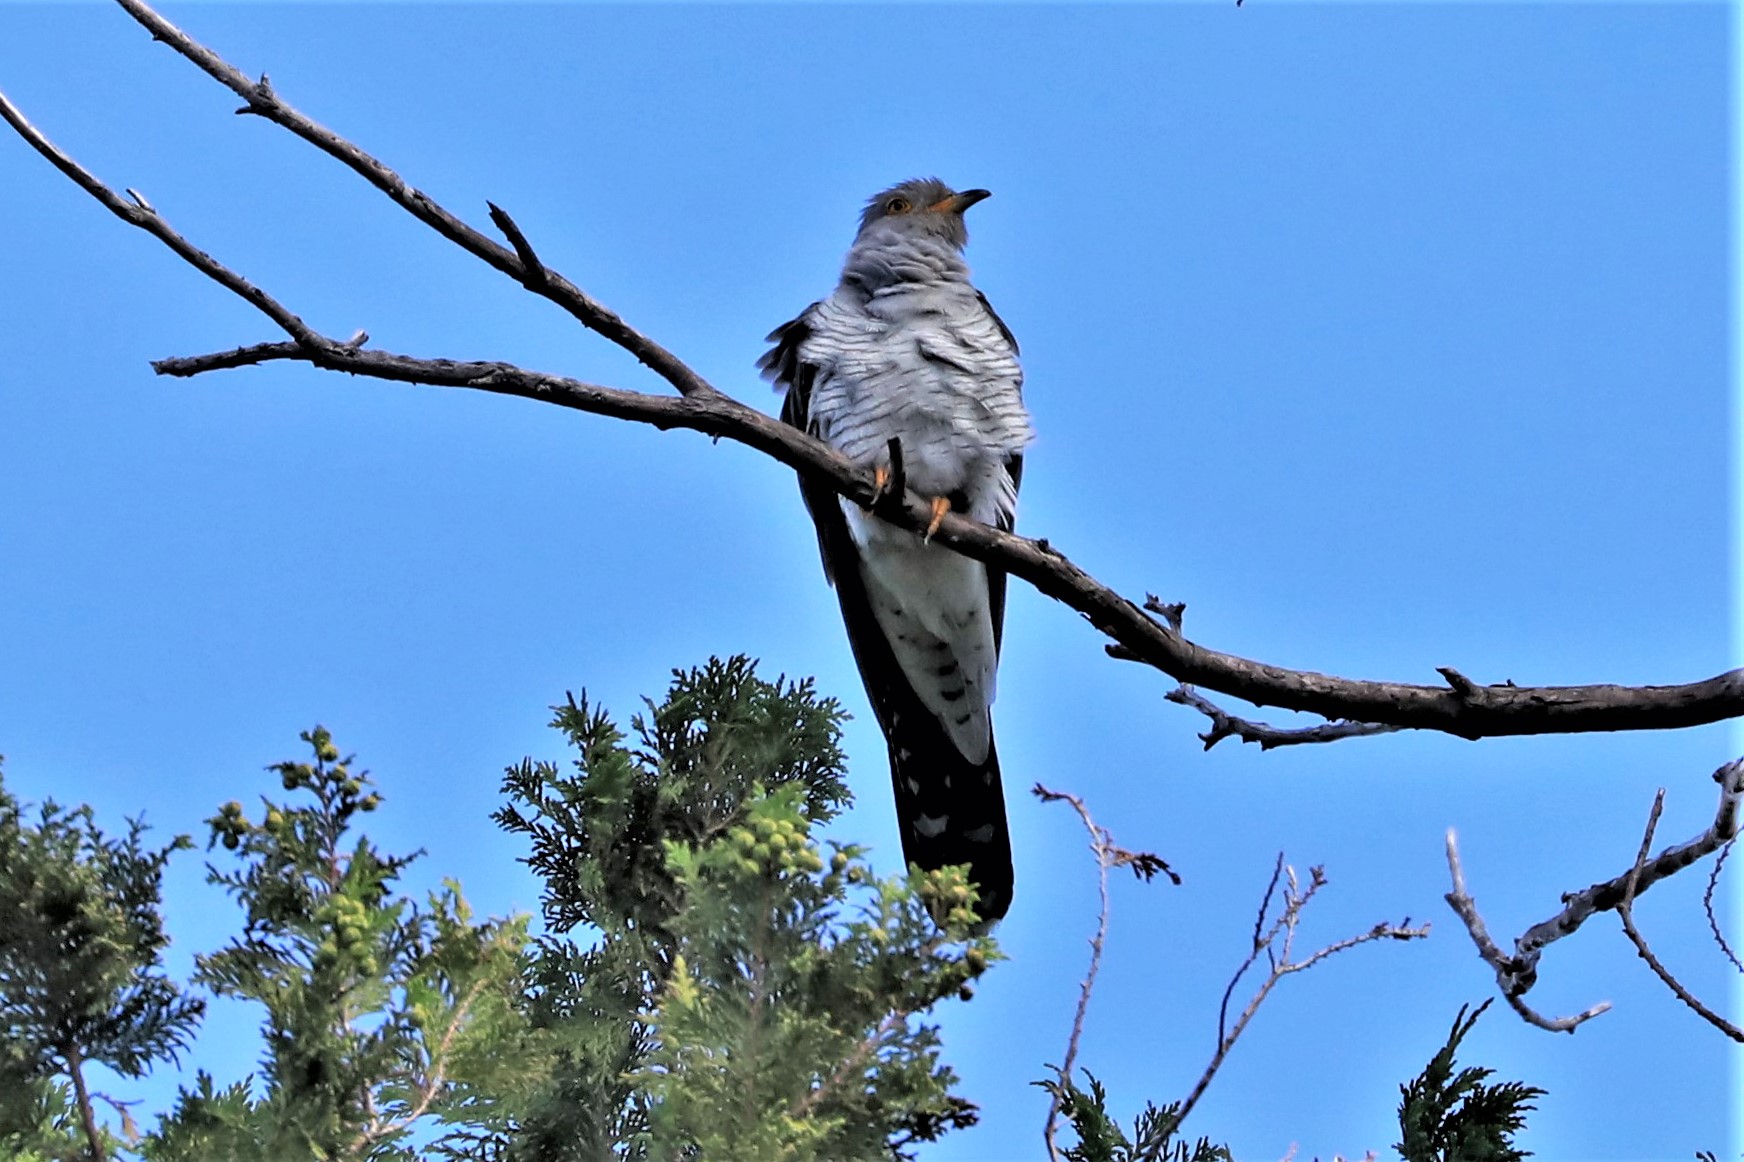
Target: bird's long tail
point(949, 810)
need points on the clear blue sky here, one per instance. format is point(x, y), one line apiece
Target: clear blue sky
point(1386, 336)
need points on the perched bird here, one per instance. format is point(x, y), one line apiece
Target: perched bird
point(908, 354)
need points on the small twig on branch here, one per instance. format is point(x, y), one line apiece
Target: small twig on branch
point(1226, 725)
point(1512, 976)
point(1626, 913)
point(1108, 854)
point(1276, 941)
point(1260, 942)
point(1481, 711)
point(1458, 682)
point(533, 270)
point(1171, 611)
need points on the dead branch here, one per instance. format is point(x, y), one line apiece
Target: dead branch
point(1522, 969)
point(520, 265)
point(1226, 725)
point(1508, 971)
point(1626, 912)
point(1108, 854)
point(1462, 708)
point(1276, 941)
point(1516, 974)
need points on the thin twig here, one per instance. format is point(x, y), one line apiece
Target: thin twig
point(1098, 845)
point(1226, 725)
point(1708, 905)
point(1277, 941)
point(138, 212)
point(1109, 854)
point(1260, 940)
point(533, 271)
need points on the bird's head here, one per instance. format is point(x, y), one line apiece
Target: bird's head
point(918, 209)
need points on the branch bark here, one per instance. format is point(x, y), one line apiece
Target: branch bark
point(1462, 707)
point(87, 1113)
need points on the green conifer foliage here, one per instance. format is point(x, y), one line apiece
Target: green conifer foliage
point(392, 1028)
point(1457, 1117)
point(81, 941)
point(736, 993)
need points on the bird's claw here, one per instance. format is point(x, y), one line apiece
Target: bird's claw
point(880, 483)
point(941, 505)
point(889, 483)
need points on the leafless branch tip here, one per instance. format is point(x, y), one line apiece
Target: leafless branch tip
point(1226, 725)
point(1108, 855)
point(1274, 937)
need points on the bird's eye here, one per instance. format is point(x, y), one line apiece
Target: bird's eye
point(897, 206)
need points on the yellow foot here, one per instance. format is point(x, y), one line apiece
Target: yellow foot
point(941, 505)
point(880, 483)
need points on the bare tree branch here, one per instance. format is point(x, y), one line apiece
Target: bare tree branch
point(1463, 708)
point(1276, 941)
point(518, 265)
point(1108, 854)
point(1606, 896)
point(136, 211)
point(1516, 974)
point(1226, 725)
point(1508, 972)
point(1626, 912)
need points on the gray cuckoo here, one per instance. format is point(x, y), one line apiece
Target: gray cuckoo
point(907, 356)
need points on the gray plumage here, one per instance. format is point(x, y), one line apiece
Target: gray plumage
point(907, 349)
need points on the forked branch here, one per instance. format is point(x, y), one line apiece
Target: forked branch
point(1274, 937)
point(1626, 913)
point(1517, 973)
